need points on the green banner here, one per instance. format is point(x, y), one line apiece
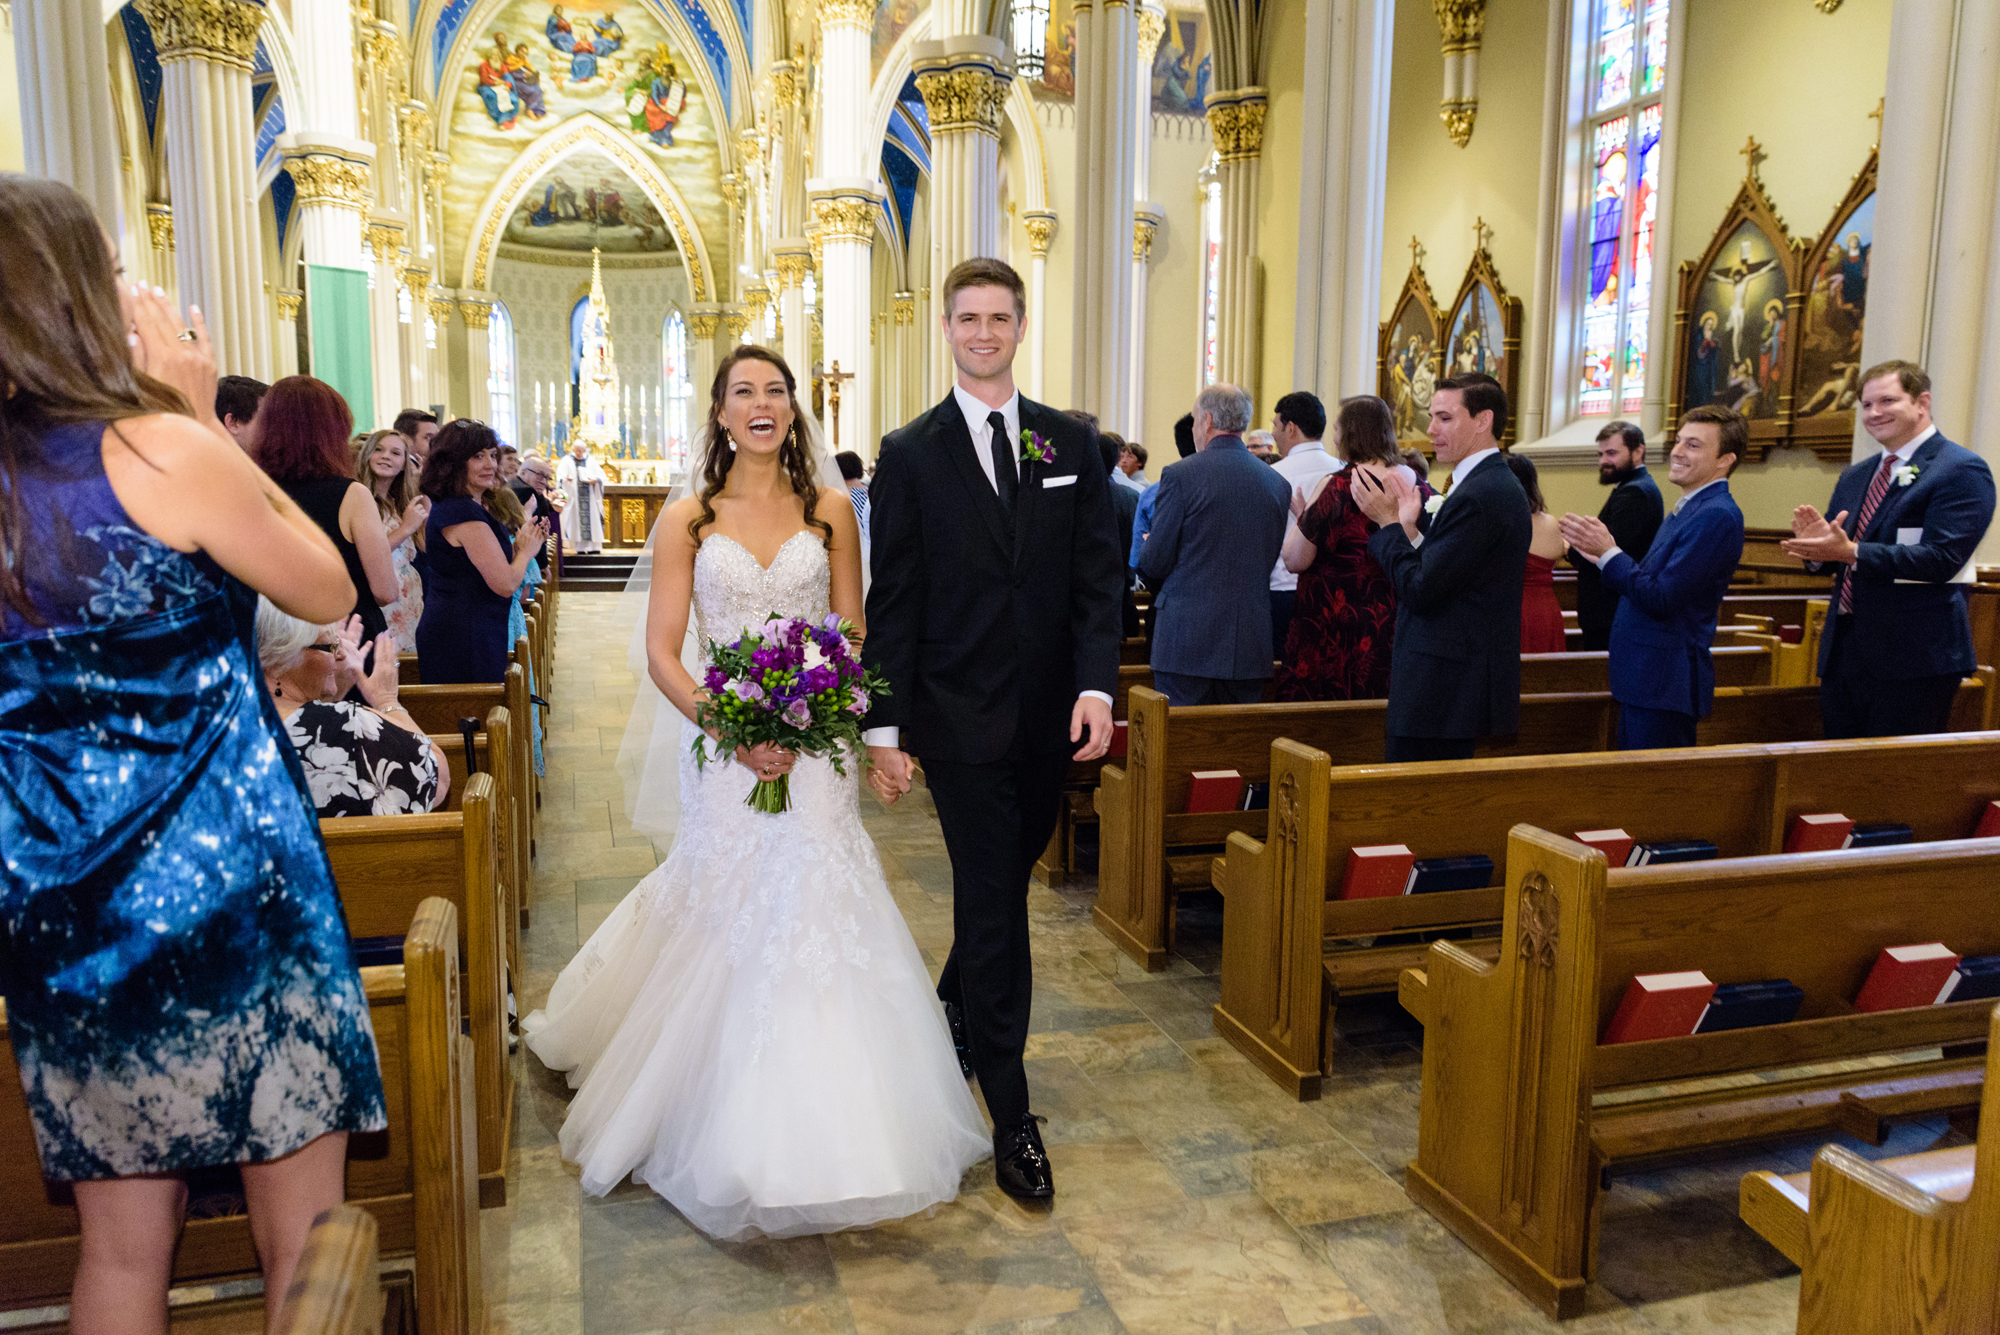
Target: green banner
point(338, 325)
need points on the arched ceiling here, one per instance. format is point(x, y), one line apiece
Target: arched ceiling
point(615, 64)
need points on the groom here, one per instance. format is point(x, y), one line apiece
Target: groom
point(994, 616)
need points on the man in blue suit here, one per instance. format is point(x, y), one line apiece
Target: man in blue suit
point(1662, 674)
point(1905, 523)
point(1217, 515)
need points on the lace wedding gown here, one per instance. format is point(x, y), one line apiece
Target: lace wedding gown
point(752, 1032)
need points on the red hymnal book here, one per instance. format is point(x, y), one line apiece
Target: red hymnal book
point(1818, 833)
point(1908, 976)
point(1989, 822)
point(1118, 736)
point(1375, 871)
point(1617, 844)
point(1214, 790)
point(1661, 1005)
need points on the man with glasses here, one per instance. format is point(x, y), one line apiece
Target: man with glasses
point(531, 486)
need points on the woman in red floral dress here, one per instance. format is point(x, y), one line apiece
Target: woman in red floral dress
point(1344, 622)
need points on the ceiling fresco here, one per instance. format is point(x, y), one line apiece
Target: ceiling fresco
point(534, 65)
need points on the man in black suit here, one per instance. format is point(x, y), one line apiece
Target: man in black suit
point(994, 617)
point(1633, 514)
point(1217, 526)
point(1455, 672)
point(1905, 523)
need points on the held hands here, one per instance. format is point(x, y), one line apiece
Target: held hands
point(1093, 714)
point(162, 350)
point(1587, 534)
point(1815, 538)
point(889, 771)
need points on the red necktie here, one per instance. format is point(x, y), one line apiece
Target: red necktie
point(1870, 503)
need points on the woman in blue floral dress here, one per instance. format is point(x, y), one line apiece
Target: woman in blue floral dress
point(180, 986)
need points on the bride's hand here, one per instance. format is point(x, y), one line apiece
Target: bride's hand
point(767, 760)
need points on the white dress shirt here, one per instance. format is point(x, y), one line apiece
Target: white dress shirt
point(982, 449)
point(1464, 470)
point(1306, 464)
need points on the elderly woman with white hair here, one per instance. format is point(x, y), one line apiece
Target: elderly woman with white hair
point(360, 760)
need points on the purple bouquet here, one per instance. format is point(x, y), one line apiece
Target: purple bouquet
point(798, 684)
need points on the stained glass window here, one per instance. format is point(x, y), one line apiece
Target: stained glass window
point(1629, 74)
point(676, 376)
point(500, 375)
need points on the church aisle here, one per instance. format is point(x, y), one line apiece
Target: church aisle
point(1192, 1195)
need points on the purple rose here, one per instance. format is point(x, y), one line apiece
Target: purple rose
point(799, 714)
point(832, 622)
point(857, 702)
point(748, 691)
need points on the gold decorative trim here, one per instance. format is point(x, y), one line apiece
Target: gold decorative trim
point(847, 14)
point(903, 306)
point(324, 178)
point(1152, 27)
point(621, 150)
point(845, 218)
point(1237, 124)
point(1142, 237)
point(417, 282)
point(416, 124)
point(755, 298)
point(289, 301)
point(670, 259)
point(786, 84)
point(1041, 233)
point(967, 97)
point(160, 225)
point(703, 324)
point(222, 31)
point(385, 239)
point(440, 309)
point(792, 266)
point(1461, 26)
point(734, 322)
point(475, 314)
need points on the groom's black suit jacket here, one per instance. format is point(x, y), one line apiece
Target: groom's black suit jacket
point(982, 628)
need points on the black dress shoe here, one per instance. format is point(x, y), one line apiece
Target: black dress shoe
point(955, 1017)
point(1020, 1164)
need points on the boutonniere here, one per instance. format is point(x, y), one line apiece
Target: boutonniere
point(1036, 449)
point(1905, 474)
point(1434, 504)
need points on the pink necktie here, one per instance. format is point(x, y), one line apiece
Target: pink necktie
point(1870, 503)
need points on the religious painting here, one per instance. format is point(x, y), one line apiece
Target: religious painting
point(1738, 319)
point(1183, 65)
point(1408, 364)
point(1483, 331)
point(892, 19)
point(584, 46)
point(1059, 52)
point(1834, 276)
point(586, 200)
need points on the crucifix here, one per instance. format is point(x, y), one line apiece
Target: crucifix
point(1876, 116)
point(1481, 233)
point(1753, 153)
point(833, 380)
point(1416, 253)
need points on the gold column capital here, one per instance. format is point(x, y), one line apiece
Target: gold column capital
point(440, 309)
point(328, 178)
point(847, 13)
point(703, 324)
point(1152, 27)
point(416, 124)
point(970, 96)
point(221, 31)
point(734, 321)
point(1461, 23)
point(160, 225)
point(845, 217)
point(792, 266)
point(475, 314)
point(417, 282)
point(1236, 121)
point(786, 83)
point(385, 239)
point(1143, 229)
point(1041, 227)
point(289, 300)
point(903, 305)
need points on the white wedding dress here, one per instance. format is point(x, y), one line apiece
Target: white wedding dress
point(752, 1032)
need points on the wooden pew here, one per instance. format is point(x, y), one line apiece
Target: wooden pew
point(437, 709)
point(1514, 1137)
point(1905, 1244)
point(1147, 849)
point(1289, 946)
point(1739, 664)
point(417, 1179)
point(510, 815)
point(335, 1290)
point(385, 866)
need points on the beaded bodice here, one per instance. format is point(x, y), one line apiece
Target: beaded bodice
point(732, 592)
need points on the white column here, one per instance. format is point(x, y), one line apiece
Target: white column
point(792, 258)
point(1150, 21)
point(332, 175)
point(205, 49)
point(287, 335)
point(68, 130)
point(964, 85)
point(476, 309)
point(1107, 138)
point(846, 216)
point(1146, 220)
point(703, 321)
point(385, 327)
point(1344, 171)
point(1041, 227)
point(1934, 285)
point(1236, 120)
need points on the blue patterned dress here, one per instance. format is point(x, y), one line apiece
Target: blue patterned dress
point(180, 984)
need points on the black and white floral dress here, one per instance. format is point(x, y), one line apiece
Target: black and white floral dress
point(359, 765)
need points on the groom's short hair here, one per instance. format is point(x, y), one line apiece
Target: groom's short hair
point(984, 272)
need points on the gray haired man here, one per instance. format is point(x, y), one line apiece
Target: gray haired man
point(1217, 526)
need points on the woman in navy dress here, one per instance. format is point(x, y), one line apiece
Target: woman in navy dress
point(475, 566)
point(180, 984)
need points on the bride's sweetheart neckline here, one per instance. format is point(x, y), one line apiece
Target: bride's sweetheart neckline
point(775, 558)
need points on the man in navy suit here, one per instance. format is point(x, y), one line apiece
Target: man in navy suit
point(1633, 513)
point(1455, 670)
point(1662, 674)
point(1905, 523)
point(1218, 523)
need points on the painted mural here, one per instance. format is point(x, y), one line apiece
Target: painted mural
point(536, 65)
point(1183, 65)
point(892, 19)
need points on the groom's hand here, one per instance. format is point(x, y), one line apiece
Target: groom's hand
point(888, 773)
point(1093, 714)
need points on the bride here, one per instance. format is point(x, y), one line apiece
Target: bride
point(752, 1032)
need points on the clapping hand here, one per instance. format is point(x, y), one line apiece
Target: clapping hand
point(533, 534)
point(169, 351)
point(1815, 538)
point(1587, 534)
point(348, 665)
point(1388, 498)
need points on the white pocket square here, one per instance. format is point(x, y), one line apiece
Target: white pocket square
point(1066, 480)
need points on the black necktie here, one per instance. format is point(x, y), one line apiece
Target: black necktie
point(1005, 480)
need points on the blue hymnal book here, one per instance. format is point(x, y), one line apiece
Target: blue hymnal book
point(1744, 1005)
point(1978, 978)
point(1880, 836)
point(1256, 797)
point(1672, 850)
point(373, 950)
point(1430, 876)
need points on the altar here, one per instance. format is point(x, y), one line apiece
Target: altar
point(630, 510)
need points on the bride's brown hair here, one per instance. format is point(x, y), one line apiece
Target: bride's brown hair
point(719, 455)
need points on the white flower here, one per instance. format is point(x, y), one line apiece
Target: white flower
point(1434, 504)
point(1905, 474)
point(814, 655)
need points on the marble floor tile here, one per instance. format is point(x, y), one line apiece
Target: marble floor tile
point(1207, 1112)
point(1317, 1184)
point(645, 1268)
point(535, 1316)
point(1223, 1263)
point(1183, 1007)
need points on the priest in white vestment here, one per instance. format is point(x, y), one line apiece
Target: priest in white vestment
point(583, 519)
